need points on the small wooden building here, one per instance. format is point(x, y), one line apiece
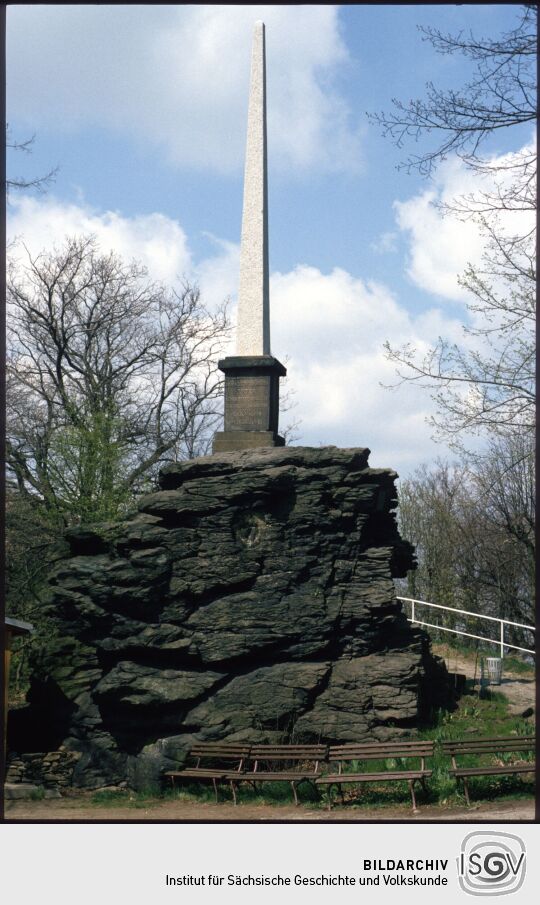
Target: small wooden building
point(12, 628)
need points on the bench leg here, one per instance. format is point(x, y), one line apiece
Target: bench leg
point(233, 790)
point(466, 790)
point(329, 805)
point(215, 789)
point(293, 784)
point(341, 794)
point(411, 787)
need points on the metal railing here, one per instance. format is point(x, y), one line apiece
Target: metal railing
point(501, 642)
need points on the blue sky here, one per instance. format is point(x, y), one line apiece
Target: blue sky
point(144, 111)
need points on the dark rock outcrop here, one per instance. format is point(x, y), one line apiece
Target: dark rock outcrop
point(251, 598)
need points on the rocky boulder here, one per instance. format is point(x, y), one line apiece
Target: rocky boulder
point(250, 598)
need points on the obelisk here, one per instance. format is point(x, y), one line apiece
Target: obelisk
point(253, 332)
point(252, 375)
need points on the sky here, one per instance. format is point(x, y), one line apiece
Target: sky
point(144, 111)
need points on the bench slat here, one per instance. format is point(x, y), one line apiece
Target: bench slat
point(282, 752)
point(493, 770)
point(489, 744)
point(196, 773)
point(339, 778)
point(349, 751)
point(379, 755)
point(487, 749)
point(220, 750)
point(487, 738)
point(271, 775)
point(497, 746)
point(383, 744)
point(310, 749)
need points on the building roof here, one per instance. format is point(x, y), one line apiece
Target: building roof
point(17, 627)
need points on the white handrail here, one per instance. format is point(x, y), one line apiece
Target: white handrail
point(439, 606)
point(502, 644)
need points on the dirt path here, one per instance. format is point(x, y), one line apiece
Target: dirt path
point(82, 809)
point(520, 691)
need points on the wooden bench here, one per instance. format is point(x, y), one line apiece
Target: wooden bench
point(215, 762)
point(370, 751)
point(488, 746)
point(281, 763)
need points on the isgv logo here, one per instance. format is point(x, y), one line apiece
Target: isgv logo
point(491, 864)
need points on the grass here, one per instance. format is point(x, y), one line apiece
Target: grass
point(512, 663)
point(275, 793)
point(518, 666)
point(477, 715)
point(481, 716)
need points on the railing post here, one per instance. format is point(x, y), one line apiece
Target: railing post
point(502, 622)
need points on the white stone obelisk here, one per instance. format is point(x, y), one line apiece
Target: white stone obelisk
point(253, 329)
point(251, 405)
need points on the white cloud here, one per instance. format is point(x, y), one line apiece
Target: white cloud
point(332, 327)
point(385, 243)
point(176, 78)
point(442, 245)
point(217, 275)
point(157, 241)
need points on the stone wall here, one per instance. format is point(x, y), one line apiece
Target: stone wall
point(50, 769)
point(251, 598)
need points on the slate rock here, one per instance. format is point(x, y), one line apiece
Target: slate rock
point(250, 598)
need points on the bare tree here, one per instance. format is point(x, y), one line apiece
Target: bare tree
point(39, 183)
point(504, 487)
point(500, 95)
point(109, 376)
point(428, 506)
point(486, 386)
point(473, 528)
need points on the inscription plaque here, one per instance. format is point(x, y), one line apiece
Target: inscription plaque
point(247, 403)
point(251, 402)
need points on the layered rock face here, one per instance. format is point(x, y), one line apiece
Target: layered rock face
point(250, 599)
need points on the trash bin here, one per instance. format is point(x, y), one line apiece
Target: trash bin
point(493, 670)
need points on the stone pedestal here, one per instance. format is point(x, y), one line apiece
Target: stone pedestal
point(251, 403)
